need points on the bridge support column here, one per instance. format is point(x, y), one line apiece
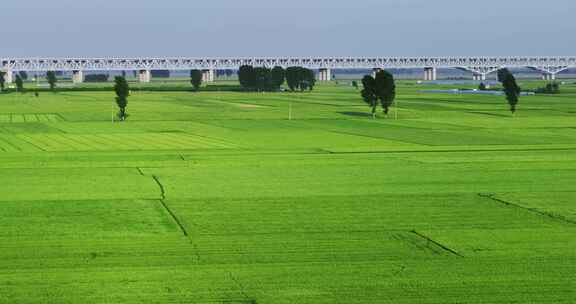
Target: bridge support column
point(325, 74)
point(479, 77)
point(145, 75)
point(208, 75)
point(549, 76)
point(9, 76)
point(77, 76)
point(430, 74)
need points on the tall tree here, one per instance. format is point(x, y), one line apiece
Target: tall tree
point(263, 78)
point(369, 93)
point(2, 80)
point(51, 78)
point(299, 78)
point(309, 79)
point(19, 84)
point(278, 75)
point(247, 77)
point(196, 79)
point(122, 92)
point(511, 88)
point(502, 73)
point(292, 78)
point(385, 89)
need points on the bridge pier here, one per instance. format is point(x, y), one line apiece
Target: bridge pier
point(325, 74)
point(145, 76)
point(548, 76)
point(479, 77)
point(208, 75)
point(9, 76)
point(77, 76)
point(430, 74)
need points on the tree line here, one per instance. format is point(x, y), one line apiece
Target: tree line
point(263, 79)
point(380, 90)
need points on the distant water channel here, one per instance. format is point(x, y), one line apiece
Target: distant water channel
point(471, 92)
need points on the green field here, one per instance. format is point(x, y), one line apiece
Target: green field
point(216, 197)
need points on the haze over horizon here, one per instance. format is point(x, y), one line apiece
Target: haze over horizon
point(218, 28)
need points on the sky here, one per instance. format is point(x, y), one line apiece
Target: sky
point(218, 28)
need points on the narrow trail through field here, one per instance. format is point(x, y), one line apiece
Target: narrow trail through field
point(445, 248)
point(492, 196)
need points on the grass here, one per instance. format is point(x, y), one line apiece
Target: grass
point(216, 197)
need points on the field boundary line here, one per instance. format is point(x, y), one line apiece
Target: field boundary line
point(172, 214)
point(163, 203)
point(10, 144)
point(378, 138)
point(162, 191)
point(24, 138)
point(492, 196)
point(445, 248)
point(141, 172)
point(451, 151)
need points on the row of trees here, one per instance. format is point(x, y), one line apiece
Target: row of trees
point(549, 88)
point(299, 78)
point(381, 90)
point(265, 79)
point(261, 78)
point(121, 89)
point(19, 81)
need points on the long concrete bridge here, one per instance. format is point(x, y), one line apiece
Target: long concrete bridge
point(479, 67)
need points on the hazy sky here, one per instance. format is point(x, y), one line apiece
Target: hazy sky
point(289, 27)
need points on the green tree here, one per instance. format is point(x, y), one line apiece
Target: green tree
point(2, 81)
point(385, 89)
point(369, 93)
point(19, 84)
point(511, 88)
point(482, 87)
point(51, 78)
point(247, 77)
point(277, 77)
point(355, 84)
point(299, 78)
point(549, 88)
point(309, 79)
point(263, 81)
point(122, 92)
point(292, 78)
point(196, 79)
